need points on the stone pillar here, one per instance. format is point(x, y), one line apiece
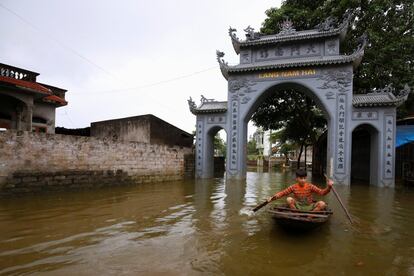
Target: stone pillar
point(204, 148)
point(237, 152)
point(236, 141)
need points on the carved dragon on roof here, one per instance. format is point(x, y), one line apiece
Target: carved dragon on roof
point(287, 27)
point(223, 64)
point(251, 34)
point(192, 105)
point(234, 40)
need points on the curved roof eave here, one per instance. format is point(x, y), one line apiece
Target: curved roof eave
point(355, 58)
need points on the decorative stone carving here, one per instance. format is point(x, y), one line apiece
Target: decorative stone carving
point(245, 57)
point(338, 79)
point(233, 34)
point(330, 95)
point(263, 53)
point(362, 42)
point(389, 146)
point(295, 50)
point(245, 100)
point(234, 40)
point(387, 89)
point(234, 134)
point(223, 65)
point(216, 120)
point(311, 49)
point(287, 27)
point(327, 25)
point(240, 88)
point(199, 147)
point(204, 99)
point(241, 84)
point(191, 105)
point(251, 34)
point(346, 18)
point(390, 89)
point(364, 115)
point(341, 131)
point(272, 60)
point(279, 52)
point(405, 92)
point(220, 59)
point(331, 47)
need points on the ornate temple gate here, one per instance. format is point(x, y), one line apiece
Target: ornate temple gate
point(308, 62)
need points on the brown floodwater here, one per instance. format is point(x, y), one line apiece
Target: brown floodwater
point(203, 228)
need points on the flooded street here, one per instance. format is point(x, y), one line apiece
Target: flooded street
point(202, 228)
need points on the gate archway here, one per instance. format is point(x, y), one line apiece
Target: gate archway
point(364, 160)
point(309, 61)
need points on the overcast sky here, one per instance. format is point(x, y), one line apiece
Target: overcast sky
point(126, 58)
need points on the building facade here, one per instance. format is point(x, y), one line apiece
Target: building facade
point(26, 104)
point(308, 62)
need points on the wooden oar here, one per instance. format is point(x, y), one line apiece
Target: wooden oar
point(261, 205)
point(340, 201)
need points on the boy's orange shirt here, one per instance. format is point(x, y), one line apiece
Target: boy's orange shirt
point(303, 193)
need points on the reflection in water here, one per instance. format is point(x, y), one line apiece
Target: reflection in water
point(196, 227)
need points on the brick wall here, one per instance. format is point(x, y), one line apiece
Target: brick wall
point(33, 162)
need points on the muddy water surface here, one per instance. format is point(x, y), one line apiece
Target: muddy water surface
point(202, 228)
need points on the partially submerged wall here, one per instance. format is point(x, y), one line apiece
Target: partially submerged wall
point(31, 162)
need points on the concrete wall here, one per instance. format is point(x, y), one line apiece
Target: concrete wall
point(145, 129)
point(126, 129)
point(165, 133)
point(33, 162)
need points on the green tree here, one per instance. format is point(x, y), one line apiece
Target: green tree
point(219, 146)
point(251, 148)
point(295, 116)
point(389, 57)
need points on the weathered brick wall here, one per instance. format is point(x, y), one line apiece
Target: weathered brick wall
point(31, 162)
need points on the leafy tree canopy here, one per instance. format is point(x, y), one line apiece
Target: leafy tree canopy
point(298, 121)
point(293, 112)
point(389, 24)
point(219, 145)
point(388, 59)
point(251, 147)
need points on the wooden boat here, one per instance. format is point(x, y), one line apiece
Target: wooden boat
point(298, 220)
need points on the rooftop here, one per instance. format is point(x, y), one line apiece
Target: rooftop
point(354, 58)
point(328, 28)
point(385, 97)
point(207, 106)
point(24, 81)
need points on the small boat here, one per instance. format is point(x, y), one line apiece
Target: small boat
point(292, 219)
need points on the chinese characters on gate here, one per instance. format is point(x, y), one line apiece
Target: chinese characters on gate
point(389, 141)
point(340, 143)
point(233, 155)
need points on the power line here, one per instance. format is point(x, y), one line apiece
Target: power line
point(73, 51)
point(147, 85)
point(57, 41)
